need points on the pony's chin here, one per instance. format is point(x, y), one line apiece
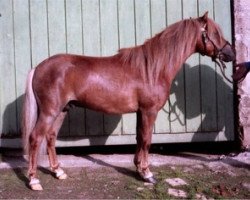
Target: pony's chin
point(227, 55)
point(226, 58)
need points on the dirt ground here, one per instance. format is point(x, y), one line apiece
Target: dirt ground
point(112, 176)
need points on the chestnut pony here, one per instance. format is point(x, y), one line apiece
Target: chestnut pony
point(137, 79)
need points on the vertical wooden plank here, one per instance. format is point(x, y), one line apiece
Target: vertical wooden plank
point(109, 46)
point(92, 47)
point(204, 6)
point(142, 21)
point(174, 11)
point(127, 39)
point(126, 23)
point(39, 32)
point(56, 27)
point(74, 26)
point(208, 80)
point(75, 46)
point(22, 49)
point(91, 27)
point(57, 39)
point(177, 99)
point(192, 78)
point(8, 123)
point(158, 16)
point(158, 23)
point(109, 27)
point(224, 89)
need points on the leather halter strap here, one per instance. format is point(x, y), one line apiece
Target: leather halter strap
point(217, 53)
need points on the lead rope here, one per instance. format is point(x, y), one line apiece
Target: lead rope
point(222, 69)
point(221, 64)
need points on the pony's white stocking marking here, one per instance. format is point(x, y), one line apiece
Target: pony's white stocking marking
point(145, 174)
point(35, 184)
point(60, 174)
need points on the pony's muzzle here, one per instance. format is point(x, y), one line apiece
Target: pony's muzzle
point(227, 54)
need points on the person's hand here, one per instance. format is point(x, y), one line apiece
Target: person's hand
point(241, 71)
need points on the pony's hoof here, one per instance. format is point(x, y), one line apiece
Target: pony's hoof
point(63, 176)
point(151, 180)
point(60, 174)
point(36, 187)
point(35, 184)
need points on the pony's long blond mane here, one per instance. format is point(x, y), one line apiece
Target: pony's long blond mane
point(166, 50)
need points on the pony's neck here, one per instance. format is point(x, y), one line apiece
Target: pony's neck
point(175, 44)
point(162, 56)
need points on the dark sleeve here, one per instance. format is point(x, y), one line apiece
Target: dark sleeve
point(247, 64)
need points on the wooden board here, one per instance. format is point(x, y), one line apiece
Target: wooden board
point(92, 47)
point(126, 27)
point(192, 78)
point(39, 31)
point(176, 109)
point(22, 48)
point(142, 21)
point(75, 46)
point(109, 46)
point(224, 89)
point(57, 39)
point(159, 23)
point(208, 81)
point(8, 109)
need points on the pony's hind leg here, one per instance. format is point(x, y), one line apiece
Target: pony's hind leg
point(51, 140)
point(41, 128)
point(145, 123)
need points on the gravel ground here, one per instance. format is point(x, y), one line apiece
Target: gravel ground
point(112, 176)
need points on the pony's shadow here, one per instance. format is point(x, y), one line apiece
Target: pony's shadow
point(121, 170)
point(227, 159)
point(15, 162)
point(91, 126)
point(208, 99)
point(10, 129)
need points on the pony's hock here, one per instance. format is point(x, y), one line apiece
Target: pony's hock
point(137, 79)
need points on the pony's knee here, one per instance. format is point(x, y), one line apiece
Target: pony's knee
point(35, 140)
point(51, 138)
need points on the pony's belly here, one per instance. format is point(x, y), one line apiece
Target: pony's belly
point(112, 107)
point(112, 104)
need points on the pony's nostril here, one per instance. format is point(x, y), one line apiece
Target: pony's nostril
point(228, 54)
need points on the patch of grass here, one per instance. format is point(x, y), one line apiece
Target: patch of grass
point(200, 181)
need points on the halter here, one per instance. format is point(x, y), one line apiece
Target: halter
point(217, 53)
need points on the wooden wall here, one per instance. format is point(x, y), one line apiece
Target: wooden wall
point(201, 102)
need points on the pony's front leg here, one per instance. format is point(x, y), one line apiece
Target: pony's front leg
point(145, 123)
point(51, 140)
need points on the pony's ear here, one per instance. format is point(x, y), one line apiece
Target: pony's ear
point(203, 20)
point(205, 17)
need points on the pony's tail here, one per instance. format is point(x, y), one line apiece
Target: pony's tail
point(29, 112)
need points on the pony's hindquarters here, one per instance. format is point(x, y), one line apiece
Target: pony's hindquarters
point(29, 112)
